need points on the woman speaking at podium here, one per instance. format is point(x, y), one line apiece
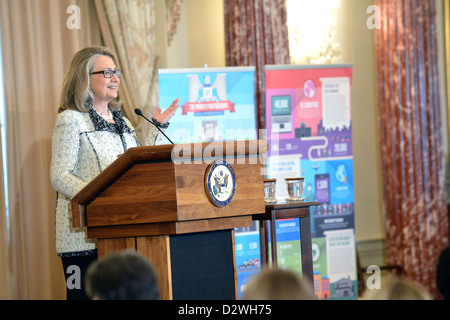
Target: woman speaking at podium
point(90, 133)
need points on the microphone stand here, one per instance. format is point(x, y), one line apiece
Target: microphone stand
point(139, 113)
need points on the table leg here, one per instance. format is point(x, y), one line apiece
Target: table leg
point(262, 243)
point(306, 247)
point(266, 241)
point(273, 235)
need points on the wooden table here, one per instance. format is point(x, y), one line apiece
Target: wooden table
point(283, 210)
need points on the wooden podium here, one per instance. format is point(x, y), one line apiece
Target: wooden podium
point(154, 200)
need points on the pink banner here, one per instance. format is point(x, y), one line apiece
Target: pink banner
point(207, 106)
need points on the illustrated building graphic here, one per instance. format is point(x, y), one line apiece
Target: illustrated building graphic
point(321, 286)
point(344, 288)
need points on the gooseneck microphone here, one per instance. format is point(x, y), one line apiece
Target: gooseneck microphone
point(139, 113)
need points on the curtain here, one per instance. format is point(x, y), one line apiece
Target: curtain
point(411, 140)
point(5, 273)
point(129, 28)
point(37, 47)
point(256, 35)
point(173, 8)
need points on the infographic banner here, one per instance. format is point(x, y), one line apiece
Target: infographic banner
point(215, 103)
point(309, 128)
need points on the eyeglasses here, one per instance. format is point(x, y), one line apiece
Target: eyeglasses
point(108, 73)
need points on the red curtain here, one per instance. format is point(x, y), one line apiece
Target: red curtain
point(412, 154)
point(256, 35)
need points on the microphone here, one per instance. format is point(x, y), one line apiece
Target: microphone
point(139, 113)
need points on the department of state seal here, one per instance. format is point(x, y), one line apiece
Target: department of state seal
point(220, 183)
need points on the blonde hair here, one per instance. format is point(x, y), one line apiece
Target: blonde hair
point(278, 284)
point(396, 288)
point(76, 93)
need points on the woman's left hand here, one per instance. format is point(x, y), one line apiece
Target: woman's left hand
point(164, 117)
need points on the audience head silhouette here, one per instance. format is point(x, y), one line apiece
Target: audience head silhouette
point(278, 284)
point(443, 273)
point(123, 275)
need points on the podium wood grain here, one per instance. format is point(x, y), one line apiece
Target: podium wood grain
point(157, 250)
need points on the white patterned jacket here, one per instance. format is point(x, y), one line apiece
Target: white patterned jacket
point(83, 145)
